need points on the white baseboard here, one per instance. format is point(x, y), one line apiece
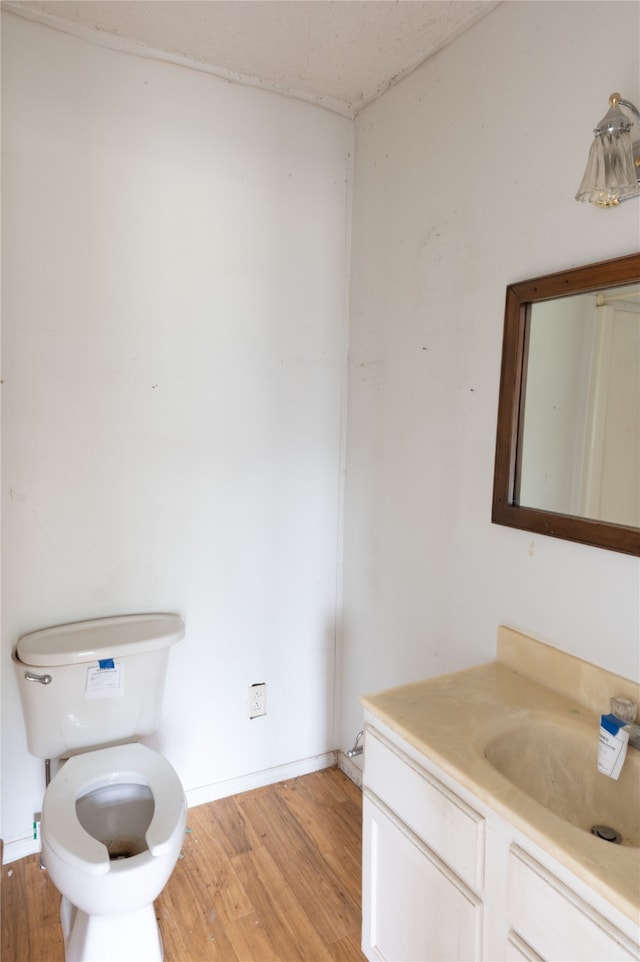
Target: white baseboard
point(269, 776)
point(20, 848)
point(350, 768)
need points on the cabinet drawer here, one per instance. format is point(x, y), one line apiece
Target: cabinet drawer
point(450, 828)
point(555, 921)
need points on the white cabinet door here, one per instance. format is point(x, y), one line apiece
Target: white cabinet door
point(414, 908)
point(449, 827)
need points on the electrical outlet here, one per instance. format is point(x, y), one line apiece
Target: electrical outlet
point(257, 700)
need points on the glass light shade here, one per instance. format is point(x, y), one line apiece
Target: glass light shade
point(610, 175)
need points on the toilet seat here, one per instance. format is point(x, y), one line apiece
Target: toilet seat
point(120, 765)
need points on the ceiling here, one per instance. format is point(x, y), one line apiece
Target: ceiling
point(338, 53)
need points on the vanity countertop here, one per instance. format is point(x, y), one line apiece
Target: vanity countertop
point(450, 719)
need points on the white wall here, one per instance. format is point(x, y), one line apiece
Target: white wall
point(174, 342)
point(174, 337)
point(464, 182)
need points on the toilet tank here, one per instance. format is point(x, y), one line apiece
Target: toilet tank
point(94, 683)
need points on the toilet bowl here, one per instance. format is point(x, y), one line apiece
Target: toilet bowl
point(112, 828)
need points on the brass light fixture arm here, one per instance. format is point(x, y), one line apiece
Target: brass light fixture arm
point(617, 98)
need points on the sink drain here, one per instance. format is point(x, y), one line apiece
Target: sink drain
point(607, 833)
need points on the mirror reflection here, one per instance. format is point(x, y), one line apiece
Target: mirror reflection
point(579, 442)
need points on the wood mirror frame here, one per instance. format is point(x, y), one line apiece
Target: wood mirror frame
point(505, 509)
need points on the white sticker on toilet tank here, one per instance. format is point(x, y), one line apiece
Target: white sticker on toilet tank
point(104, 682)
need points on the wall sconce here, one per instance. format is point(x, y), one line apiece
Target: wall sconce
point(613, 168)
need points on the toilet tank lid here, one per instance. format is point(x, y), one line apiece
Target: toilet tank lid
point(99, 639)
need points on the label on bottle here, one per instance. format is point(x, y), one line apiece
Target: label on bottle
point(612, 748)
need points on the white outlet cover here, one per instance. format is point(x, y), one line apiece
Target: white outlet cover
point(257, 703)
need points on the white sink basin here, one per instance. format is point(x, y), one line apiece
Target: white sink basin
point(554, 760)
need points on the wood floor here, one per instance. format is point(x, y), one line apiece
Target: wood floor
point(272, 874)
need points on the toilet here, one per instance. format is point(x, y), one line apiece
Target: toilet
point(114, 814)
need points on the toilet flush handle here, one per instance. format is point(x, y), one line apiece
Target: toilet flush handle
point(43, 679)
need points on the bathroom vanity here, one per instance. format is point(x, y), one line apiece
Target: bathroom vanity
point(480, 791)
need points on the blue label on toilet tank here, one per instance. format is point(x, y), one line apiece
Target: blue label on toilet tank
point(106, 663)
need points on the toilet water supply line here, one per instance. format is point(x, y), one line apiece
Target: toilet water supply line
point(358, 747)
point(37, 818)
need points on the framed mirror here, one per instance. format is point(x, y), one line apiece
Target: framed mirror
point(568, 441)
